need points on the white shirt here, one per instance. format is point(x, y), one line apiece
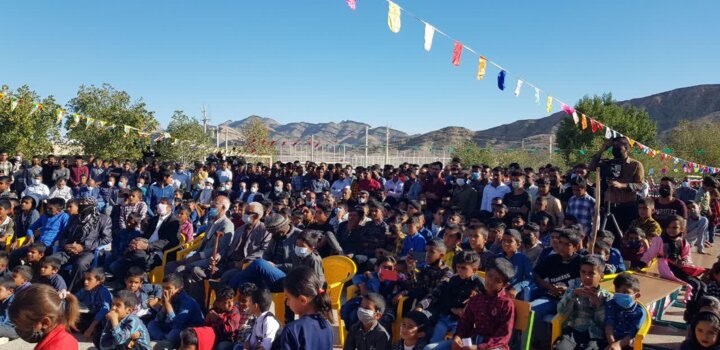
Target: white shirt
point(38, 192)
point(394, 188)
point(264, 331)
point(224, 175)
point(64, 193)
point(156, 235)
point(490, 192)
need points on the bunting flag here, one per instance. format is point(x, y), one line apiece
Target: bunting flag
point(2, 95)
point(518, 87)
point(13, 104)
point(584, 122)
point(272, 143)
point(352, 4)
point(549, 104)
point(632, 142)
point(36, 106)
point(482, 63)
point(126, 129)
point(501, 80)
point(593, 125)
point(88, 121)
point(608, 133)
point(537, 97)
point(59, 115)
point(76, 119)
point(575, 118)
point(394, 17)
point(429, 34)
point(457, 52)
point(568, 110)
point(295, 143)
point(317, 145)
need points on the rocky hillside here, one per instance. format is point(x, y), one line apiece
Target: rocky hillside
point(695, 103)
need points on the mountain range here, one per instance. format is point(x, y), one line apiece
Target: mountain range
point(696, 104)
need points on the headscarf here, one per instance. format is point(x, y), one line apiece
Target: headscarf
point(88, 217)
point(691, 342)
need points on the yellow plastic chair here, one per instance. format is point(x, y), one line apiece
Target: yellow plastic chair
point(338, 270)
point(611, 277)
point(481, 274)
point(524, 320)
point(20, 242)
point(279, 301)
point(559, 319)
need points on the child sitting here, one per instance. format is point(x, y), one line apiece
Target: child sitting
point(148, 295)
point(488, 317)
point(452, 236)
point(122, 239)
point(413, 240)
point(623, 314)
point(645, 220)
point(21, 275)
point(123, 329)
point(447, 301)
point(531, 246)
point(421, 282)
point(584, 306)
point(177, 312)
point(266, 325)
point(540, 212)
point(634, 245)
point(4, 260)
point(34, 257)
point(602, 250)
point(673, 256)
point(413, 330)
point(224, 319)
point(368, 333)
point(383, 281)
point(49, 268)
point(50, 226)
point(7, 288)
point(41, 305)
point(198, 338)
point(521, 283)
point(614, 256)
point(704, 332)
point(496, 229)
point(478, 236)
point(98, 300)
point(554, 273)
point(186, 225)
point(7, 224)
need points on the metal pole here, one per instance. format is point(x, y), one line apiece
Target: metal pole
point(312, 148)
point(551, 144)
point(387, 144)
point(217, 137)
point(522, 144)
point(366, 146)
point(226, 139)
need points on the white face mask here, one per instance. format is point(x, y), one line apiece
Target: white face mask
point(209, 187)
point(162, 209)
point(36, 182)
point(366, 316)
point(246, 218)
point(278, 189)
point(253, 189)
point(460, 182)
point(516, 184)
point(302, 251)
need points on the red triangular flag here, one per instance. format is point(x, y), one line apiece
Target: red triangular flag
point(283, 143)
point(262, 142)
point(272, 143)
point(457, 52)
point(295, 143)
point(317, 145)
point(593, 125)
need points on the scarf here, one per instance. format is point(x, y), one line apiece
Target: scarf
point(672, 248)
point(88, 218)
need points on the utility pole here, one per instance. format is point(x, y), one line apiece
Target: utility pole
point(205, 119)
point(226, 139)
point(387, 144)
point(312, 148)
point(522, 144)
point(366, 145)
point(551, 145)
point(217, 137)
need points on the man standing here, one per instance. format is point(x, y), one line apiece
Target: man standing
point(160, 190)
point(77, 170)
point(623, 178)
point(495, 189)
point(667, 206)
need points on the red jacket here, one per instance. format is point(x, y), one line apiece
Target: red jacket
point(76, 173)
point(58, 338)
point(206, 338)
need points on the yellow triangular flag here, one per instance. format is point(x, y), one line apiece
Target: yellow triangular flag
point(394, 17)
point(549, 104)
point(584, 122)
point(632, 142)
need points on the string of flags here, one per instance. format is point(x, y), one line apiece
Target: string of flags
point(394, 20)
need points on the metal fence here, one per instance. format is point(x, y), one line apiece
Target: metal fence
point(354, 157)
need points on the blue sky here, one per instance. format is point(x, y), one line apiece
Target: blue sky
point(318, 61)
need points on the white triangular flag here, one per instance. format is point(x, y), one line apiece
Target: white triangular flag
point(429, 34)
point(576, 119)
point(537, 97)
point(608, 133)
point(518, 87)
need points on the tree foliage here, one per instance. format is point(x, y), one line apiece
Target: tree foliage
point(192, 142)
point(24, 132)
point(115, 108)
point(696, 142)
point(471, 154)
point(256, 139)
point(577, 145)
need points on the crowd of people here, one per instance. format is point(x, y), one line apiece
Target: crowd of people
point(86, 236)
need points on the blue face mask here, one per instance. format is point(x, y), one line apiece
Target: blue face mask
point(625, 301)
point(475, 176)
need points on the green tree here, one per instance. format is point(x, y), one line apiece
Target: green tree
point(25, 132)
point(696, 142)
point(114, 107)
point(189, 141)
point(253, 135)
point(578, 146)
point(471, 154)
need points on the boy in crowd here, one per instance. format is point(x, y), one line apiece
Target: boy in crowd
point(21, 275)
point(531, 246)
point(614, 257)
point(266, 325)
point(7, 224)
point(422, 281)
point(476, 328)
point(50, 225)
point(554, 273)
point(148, 295)
point(413, 331)
point(97, 298)
point(451, 236)
point(634, 245)
point(623, 314)
point(224, 318)
point(602, 250)
point(478, 235)
point(49, 268)
point(7, 288)
point(447, 301)
point(413, 241)
point(4, 261)
point(645, 220)
point(123, 329)
point(521, 283)
point(34, 257)
point(368, 333)
point(496, 229)
point(584, 306)
point(177, 312)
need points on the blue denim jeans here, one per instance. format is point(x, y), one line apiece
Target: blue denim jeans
point(444, 325)
point(262, 274)
point(443, 345)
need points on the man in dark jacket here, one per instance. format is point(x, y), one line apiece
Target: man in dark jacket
point(162, 230)
point(86, 231)
point(282, 242)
